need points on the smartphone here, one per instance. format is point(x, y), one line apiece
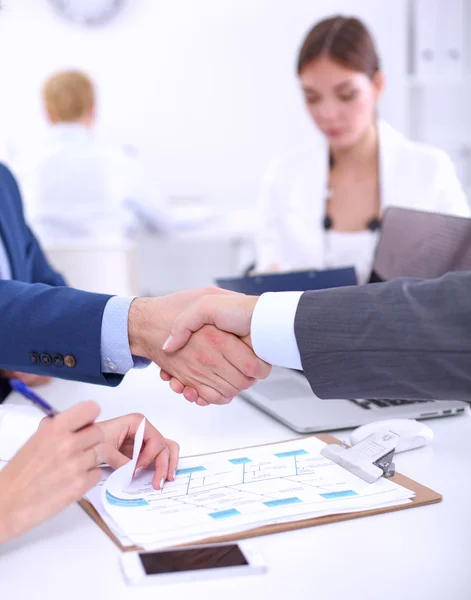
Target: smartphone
point(191, 563)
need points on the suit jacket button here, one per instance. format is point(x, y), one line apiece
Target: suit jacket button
point(58, 360)
point(69, 361)
point(46, 359)
point(34, 358)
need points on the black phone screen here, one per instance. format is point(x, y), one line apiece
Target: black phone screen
point(192, 559)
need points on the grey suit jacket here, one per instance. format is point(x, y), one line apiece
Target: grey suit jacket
point(407, 338)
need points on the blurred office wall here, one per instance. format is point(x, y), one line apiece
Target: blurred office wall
point(205, 90)
point(439, 82)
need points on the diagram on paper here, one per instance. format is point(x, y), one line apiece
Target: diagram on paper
point(242, 485)
point(234, 491)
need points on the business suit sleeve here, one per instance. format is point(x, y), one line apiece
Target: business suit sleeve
point(40, 323)
point(407, 339)
point(41, 270)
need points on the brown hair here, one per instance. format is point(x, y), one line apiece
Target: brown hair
point(69, 95)
point(345, 40)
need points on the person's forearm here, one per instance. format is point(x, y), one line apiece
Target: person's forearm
point(52, 331)
point(407, 339)
point(8, 520)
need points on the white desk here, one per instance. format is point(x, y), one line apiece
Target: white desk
point(423, 553)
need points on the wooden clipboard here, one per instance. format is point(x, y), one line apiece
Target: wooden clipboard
point(423, 496)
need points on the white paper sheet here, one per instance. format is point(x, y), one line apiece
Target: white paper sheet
point(119, 482)
point(228, 492)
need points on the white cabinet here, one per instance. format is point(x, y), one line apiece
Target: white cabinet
point(439, 79)
point(438, 40)
point(451, 39)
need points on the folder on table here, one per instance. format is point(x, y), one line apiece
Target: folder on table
point(290, 281)
point(422, 497)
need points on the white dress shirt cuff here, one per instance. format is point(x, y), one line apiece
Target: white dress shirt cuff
point(17, 425)
point(272, 329)
point(115, 352)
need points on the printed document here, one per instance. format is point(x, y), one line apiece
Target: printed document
point(234, 491)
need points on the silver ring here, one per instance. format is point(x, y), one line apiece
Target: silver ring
point(99, 462)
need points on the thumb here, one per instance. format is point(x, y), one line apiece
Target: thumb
point(231, 313)
point(112, 456)
point(189, 321)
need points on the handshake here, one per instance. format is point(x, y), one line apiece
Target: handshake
point(201, 341)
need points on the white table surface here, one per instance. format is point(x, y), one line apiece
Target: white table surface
point(422, 553)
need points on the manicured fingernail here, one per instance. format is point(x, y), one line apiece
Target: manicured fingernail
point(138, 470)
point(162, 481)
point(174, 474)
point(167, 342)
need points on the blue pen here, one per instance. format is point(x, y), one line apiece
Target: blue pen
point(28, 393)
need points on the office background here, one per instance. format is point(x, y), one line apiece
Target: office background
point(205, 92)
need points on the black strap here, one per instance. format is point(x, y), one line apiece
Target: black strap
point(373, 224)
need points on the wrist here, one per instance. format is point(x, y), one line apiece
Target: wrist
point(138, 321)
point(147, 327)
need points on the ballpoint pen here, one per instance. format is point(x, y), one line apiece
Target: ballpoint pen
point(47, 409)
point(28, 393)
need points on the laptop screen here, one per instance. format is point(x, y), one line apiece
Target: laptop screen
point(421, 244)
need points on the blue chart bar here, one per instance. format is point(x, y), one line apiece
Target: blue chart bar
point(282, 502)
point(240, 461)
point(292, 453)
point(333, 495)
point(223, 514)
point(125, 502)
point(190, 470)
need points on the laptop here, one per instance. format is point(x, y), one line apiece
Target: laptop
point(431, 245)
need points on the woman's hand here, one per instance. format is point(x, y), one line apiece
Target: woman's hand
point(59, 464)
point(56, 467)
point(157, 452)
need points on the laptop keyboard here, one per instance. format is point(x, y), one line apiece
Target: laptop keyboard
point(367, 404)
point(283, 389)
point(291, 388)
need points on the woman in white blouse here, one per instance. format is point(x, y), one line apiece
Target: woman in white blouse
point(321, 205)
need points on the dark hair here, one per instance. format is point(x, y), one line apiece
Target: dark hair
point(345, 40)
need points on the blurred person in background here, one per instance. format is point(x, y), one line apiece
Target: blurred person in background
point(78, 187)
point(321, 205)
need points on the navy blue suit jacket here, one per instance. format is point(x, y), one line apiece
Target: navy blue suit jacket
point(41, 318)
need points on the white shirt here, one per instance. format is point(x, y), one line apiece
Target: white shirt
point(77, 187)
point(292, 204)
point(346, 249)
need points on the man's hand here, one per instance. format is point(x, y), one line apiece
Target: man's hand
point(217, 365)
point(157, 452)
point(229, 313)
point(52, 470)
point(31, 379)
